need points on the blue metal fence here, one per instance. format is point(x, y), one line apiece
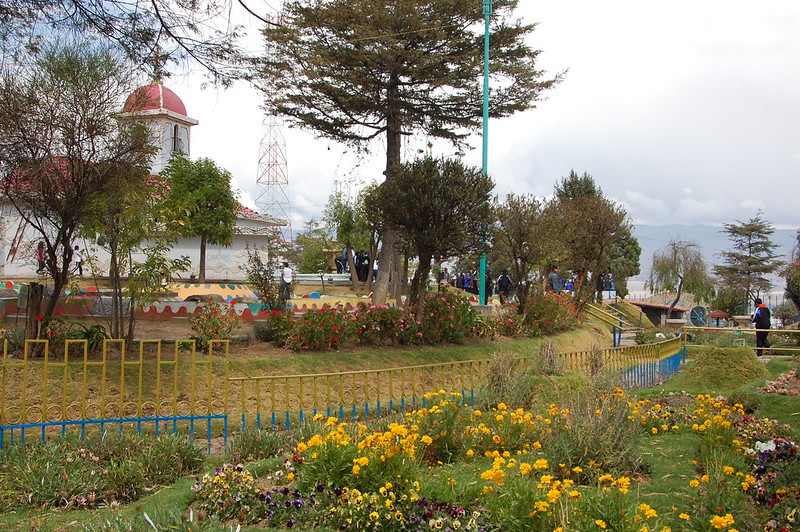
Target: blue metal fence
point(9, 434)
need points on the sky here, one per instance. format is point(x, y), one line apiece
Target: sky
point(685, 112)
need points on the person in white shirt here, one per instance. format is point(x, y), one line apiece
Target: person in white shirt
point(77, 258)
point(287, 275)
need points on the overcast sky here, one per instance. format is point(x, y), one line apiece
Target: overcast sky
point(686, 112)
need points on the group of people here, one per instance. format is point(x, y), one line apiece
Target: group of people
point(76, 260)
point(503, 285)
point(362, 261)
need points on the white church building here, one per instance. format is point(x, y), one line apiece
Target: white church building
point(170, 125)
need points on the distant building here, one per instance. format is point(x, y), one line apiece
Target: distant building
point(165, 115)
point(657, 312)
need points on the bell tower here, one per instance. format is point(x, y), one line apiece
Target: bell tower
point(165, 114)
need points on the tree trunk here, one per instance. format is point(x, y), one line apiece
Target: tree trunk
point(351, 264)
point(390, 255)
point(116, 292)
point(419, 284)
point(201, 277)
point(34, 304)
point(677, 298)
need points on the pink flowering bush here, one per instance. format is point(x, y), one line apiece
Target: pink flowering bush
point(446, 317)
point(379, 325)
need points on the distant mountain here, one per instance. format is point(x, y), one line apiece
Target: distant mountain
point(711, 239)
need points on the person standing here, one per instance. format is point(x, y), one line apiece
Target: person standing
point(287, 275)
point(503, 287)
point(554, 280)
point(77, 259)
point(41, 258)
point(761, 320)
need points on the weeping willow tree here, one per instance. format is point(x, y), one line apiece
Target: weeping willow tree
point(680, 266)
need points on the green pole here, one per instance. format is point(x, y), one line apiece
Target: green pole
point(487, 13)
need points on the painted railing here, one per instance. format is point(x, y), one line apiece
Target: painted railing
point(174, 387)
point(741, 336)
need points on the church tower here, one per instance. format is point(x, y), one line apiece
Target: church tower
point(165, 114)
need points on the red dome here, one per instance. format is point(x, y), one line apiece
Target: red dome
point(153, 97)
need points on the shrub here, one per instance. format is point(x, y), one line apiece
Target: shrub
point(318, 330)
point(15, 339)
point(66, 472)
point(595, 429)
point(264, 332)
point(378, 325)
point(549, 313)
point(446, 317)
point(94, 335)
point(254, 445)
point(214, 322)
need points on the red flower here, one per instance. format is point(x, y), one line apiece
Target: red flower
point(39, 317)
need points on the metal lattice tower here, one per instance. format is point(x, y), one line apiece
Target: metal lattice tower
point(272, 179)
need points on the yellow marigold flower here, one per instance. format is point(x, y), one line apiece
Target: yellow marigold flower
point(537, 445)
point(427, 440)
point(684, 516)
point(290, 475)
point(477, 413)
point(704, 478)
point(302, 447)
point(524, 468)
point(502, 406)
point(654, 430)
point(728, 470)
point(718, 522)
point(575, 495)
point(553, 495)
point(497, 439)
point(605, 478)
point(694, 483)
point(577, 469)
point(540, 464)
point(356, 469)
point(318, 417)
point(600, 523)
point(470, 452)
point(541, 506)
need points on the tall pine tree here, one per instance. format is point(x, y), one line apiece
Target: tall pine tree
point(355, 70)
point(753, 257)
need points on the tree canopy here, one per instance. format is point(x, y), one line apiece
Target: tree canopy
point(527, 236)
point(679, 265)
point(61, 149)
point(148, 32)
point(753, 257)
point(792, 274)
point(354, 70)
point(439, 206)
point(596, 233)
point(201, 203)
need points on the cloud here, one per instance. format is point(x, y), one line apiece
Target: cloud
point(646, 210)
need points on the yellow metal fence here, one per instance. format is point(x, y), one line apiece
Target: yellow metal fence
point(175, 380)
